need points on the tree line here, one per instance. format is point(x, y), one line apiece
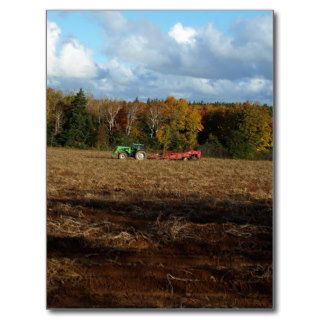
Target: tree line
point(237, 130)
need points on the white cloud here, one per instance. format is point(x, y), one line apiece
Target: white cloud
point(181, 34)
point(73, 60)
point(197, 64)
point(218, 43)
point(257, 30)
point(122, 82)
point(112, 20)
point(119, 72)
point(53, 35)
point(257, 84)
point(256, 89)
point(204, 52)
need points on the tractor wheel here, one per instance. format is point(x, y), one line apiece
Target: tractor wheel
point(140, 155)
point(122, 156)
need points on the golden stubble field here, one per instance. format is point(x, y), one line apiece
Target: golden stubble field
point(157, 234)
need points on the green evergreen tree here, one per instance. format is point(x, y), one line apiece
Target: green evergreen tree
point(80, 126)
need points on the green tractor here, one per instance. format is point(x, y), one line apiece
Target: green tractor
point(135, 151)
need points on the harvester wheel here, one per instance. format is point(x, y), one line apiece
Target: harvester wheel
point(122, 156)
point(193, 157)
point(184, 159)
point(140, 155)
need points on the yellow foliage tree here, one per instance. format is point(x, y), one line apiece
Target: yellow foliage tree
point(181, 126)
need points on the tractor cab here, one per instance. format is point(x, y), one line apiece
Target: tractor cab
point(138, 147)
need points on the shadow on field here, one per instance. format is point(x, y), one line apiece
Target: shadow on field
point(62, 246)
point(160, 253)
point(202, 211)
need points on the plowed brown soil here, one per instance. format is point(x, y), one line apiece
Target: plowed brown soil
point(158, 234)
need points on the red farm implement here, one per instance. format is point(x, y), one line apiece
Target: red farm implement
point(188, 155)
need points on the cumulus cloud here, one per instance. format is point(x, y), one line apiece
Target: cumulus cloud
point(195, 63)
point(53, 35)
point(144, 83)
point(258, 30)
point(182, 34)
point(119, 72)
point(73, 60)
point(245, 52)
point(112, 20)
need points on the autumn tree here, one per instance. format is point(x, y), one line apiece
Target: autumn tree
point(53, 98)
point(154, 116)
point(57, 108)
point(181, 126)
point(110, 110)
point(238, 130)
point(94, 107)
point(54, 114)
point(132, 110)
point(243, 129)
point(252, 133)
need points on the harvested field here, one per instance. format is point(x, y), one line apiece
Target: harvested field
point(158, 234)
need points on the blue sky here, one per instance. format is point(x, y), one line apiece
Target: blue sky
point(198, 55)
